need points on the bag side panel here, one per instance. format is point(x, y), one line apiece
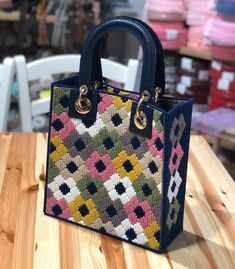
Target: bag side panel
point(177, 131)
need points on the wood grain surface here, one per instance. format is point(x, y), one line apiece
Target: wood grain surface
point(28, 239)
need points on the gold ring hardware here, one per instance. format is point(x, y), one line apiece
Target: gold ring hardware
point(158, 91)
point(83, 104)
point(145, 95)
point(140, 118)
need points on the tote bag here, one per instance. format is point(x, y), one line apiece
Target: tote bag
point(117, 160)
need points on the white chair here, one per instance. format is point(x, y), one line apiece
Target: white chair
point(7, 70)
point(58, 65)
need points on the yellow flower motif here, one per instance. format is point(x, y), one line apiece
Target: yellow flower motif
point(83, 210)
point(150, 234)
point(119, 103)
point(127, 165)
point(60, 149)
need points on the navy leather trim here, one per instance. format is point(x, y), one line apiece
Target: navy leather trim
point(92, 43)
point(160, 69)
point(160, 66)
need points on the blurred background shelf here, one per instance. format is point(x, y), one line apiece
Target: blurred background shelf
point(15, 16)
point(225, 140)
point(195, 53)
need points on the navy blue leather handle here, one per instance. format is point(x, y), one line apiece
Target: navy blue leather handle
point(160, 70)
point(160, 67)
point(89, 53)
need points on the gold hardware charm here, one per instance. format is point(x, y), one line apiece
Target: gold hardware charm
point(146, 96)
point(83, 104)
point(96, 84)
point(140, 118)
point(141, 121)
point(158, 91)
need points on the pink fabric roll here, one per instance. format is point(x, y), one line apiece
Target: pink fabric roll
point(167, 6)
point(173, 44)
point(169, 32)
point(198, 12)
point(166, 10)
point(196, 38)
point(167, 25)
point(221, 32)
point(154, 15)
point(223, 53)
point(172, 35)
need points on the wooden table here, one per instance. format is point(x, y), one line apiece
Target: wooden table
point(28, 239)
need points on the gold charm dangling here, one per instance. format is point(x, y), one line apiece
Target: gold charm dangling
point(83, 104)
point(140, 118)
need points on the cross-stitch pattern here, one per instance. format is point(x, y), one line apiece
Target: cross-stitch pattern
point(176, 155)
point(103, 176)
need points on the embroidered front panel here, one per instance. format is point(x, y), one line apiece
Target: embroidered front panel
point(103, 176)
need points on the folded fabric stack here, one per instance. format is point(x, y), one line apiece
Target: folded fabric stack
point(198, 12)
point(166, 17)
point(193, 81)
point(222, 85)
point(166, 10)
point(171, 72)
point(215, 122)
point(220, 31)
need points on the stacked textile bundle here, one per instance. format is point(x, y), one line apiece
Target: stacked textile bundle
point(167, 10)
point(198, 12)
point(193, 81)
point(166, 17)
point(220, 31)
point(215, 122)
point(222, 85)
point(171, 72)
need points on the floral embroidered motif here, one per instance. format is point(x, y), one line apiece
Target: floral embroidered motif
point(120, 188)
point(103, 176)
point(176, 156)
point(61, 125)
point(64, 188)
point(127, 166)
point(83, 210)
point(152, 234)
point(139, 211)
point(57, 148)
point(57, 208)
point(100, 166)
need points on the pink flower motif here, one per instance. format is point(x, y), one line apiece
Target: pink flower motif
point(106, 102)
point(156, 143)
point(175, 158)
point(139, 212)
point(61, 125)
point(100, 166)
point(58, 208)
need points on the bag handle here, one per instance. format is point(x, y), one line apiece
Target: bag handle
point(160, 69)
point(92, 44)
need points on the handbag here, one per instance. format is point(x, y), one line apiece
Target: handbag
point(117, 160)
